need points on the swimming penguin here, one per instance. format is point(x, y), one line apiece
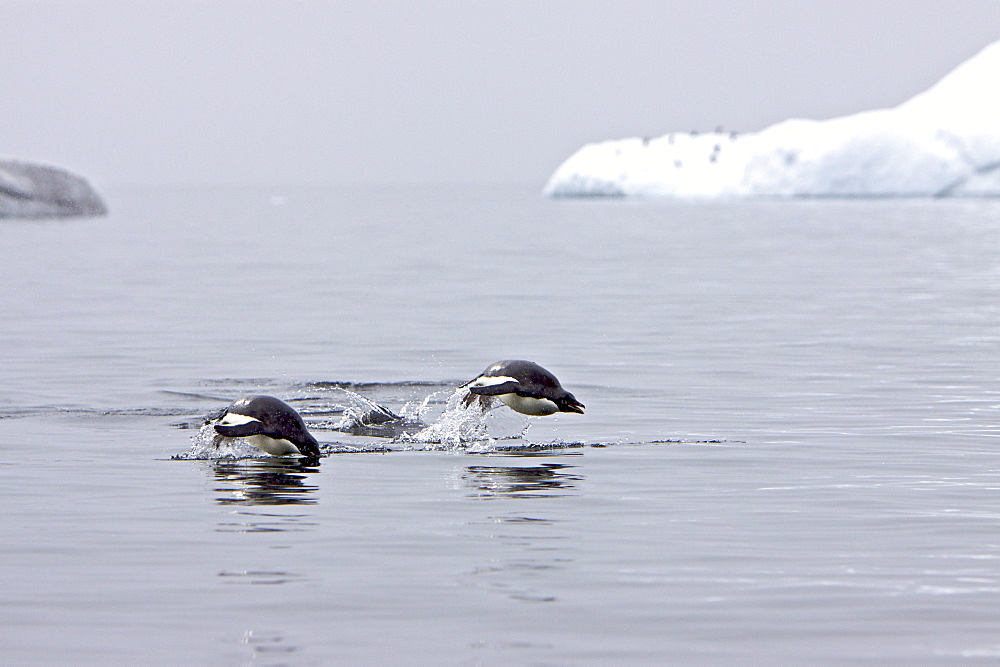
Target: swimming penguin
point(524, 387)
point(270, 424)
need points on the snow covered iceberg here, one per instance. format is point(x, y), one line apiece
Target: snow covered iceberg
point(29, 190)
point(942, 142)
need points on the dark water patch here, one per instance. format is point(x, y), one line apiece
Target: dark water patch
point(262, 526)
point(60, 411)
point(523, 519)
point(536, 447)
point(268, 643)
point(339, 448)
point(256, 577)
point(362, 387)
point(675, 441)
point(543, 481)
point(135, 412)
point(274, 481)
point(20, 413)
point(193, 395)
point(253, 383)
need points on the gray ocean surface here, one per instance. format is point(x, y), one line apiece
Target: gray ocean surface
point(789, 453)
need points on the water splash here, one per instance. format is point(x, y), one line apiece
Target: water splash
point(474, 428)
point(438, 421)
point(364, 417)
point(362, 411)
point(208, 445)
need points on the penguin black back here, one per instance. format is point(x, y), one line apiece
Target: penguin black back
point(270, 424)
point(524, 387)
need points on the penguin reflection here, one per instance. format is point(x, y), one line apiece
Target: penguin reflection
point(265, 482)
point(543, 481)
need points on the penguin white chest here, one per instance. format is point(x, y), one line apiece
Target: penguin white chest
point(527, 405)
point(272, 446)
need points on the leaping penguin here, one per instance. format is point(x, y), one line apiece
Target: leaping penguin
point(524, 387)
point(270, 424)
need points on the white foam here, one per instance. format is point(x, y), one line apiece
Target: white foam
point(461, 427)
point(209, 445)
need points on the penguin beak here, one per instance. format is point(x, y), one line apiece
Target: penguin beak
point(573, 405)
point(310, 450)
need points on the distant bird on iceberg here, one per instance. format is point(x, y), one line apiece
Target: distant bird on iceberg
point(943, 142)
point(523, 386)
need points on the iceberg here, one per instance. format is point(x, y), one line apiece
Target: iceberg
point(943, 142)
point(29, 190)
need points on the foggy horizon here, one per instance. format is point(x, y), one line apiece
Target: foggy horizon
point(229, 92)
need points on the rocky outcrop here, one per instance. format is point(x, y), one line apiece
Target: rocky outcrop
point(29, 190)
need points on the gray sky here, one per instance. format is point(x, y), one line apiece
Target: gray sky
point(243, 91)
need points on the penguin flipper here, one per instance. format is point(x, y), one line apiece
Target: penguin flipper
point(508, 387)
point(240, 430)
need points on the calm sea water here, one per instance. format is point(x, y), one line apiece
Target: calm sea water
point(789, 455)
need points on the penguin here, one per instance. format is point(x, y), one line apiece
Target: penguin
point(523, 386)
point(270, 424)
